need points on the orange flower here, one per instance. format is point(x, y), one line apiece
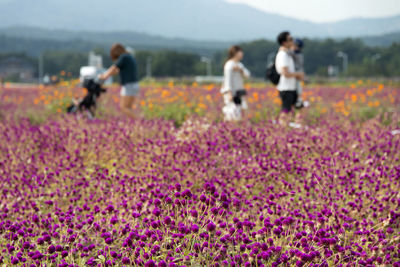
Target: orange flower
point(201, 105)
point(255, 96)
point(165, 94)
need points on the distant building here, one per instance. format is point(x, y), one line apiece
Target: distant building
point(94, 68)
point(95, 60)
point(16, 69)
point(333, 71)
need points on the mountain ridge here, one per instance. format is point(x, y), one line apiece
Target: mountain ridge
point(194, 19)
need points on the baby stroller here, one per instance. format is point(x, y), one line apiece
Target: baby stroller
point(88, 103)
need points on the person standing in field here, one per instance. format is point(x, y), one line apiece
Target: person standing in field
point(288, 81)
point(125, 65)
point(298, 58)
point(233, 90)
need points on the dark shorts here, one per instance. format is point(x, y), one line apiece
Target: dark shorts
point(289, 99)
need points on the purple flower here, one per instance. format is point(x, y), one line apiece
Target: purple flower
point(126, 260)
point(51, 249)
point(167, 220)
point(114, 254)
point(157, 212)
point(194, 228)
point(150, 263)
point(211, 227)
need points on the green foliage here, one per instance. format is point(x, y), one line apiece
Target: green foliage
point(319, 54)
point(37, 118)
point(168, 63)
point(386, 118)
point(313, 115)
point(69, 61)
point(265, 114)
point(364, 113)
point(58, 106)
point(177, 112)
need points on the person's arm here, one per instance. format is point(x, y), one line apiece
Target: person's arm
point(285, 59)
point(243, 70)
point(113, 70)
point(227, 88)
point(298, 75)
point(301, 61)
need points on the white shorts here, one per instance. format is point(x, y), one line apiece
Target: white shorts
point(130, 89)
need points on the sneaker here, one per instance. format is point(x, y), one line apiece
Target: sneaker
point(295, 125)
point(395, 132)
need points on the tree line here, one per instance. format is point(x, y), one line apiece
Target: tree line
point(364, 61)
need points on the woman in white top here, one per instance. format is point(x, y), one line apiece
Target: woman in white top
point(233, 87)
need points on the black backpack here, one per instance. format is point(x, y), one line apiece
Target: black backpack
point(272, 75)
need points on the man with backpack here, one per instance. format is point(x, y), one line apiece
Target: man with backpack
point(285, 68)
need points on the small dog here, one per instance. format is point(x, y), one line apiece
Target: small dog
point(89, 102)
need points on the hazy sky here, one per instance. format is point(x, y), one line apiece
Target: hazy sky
point(327, 10)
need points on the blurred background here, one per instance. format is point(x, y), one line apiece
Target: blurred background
point(49, 40)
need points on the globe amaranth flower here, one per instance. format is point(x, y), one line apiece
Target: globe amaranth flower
point(211, 227)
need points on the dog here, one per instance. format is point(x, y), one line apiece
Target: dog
point(89, 102)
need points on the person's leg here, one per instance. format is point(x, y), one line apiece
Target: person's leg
point(128, 96)
point(244, 107)
point(126, 105)
point(299, 102)
point(296, 109)
point(286, 107)
point(227, 110)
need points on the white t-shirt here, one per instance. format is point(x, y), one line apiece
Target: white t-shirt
point(284, 59)
point(233, 80)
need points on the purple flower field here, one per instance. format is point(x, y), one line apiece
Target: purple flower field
point(118, 192)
